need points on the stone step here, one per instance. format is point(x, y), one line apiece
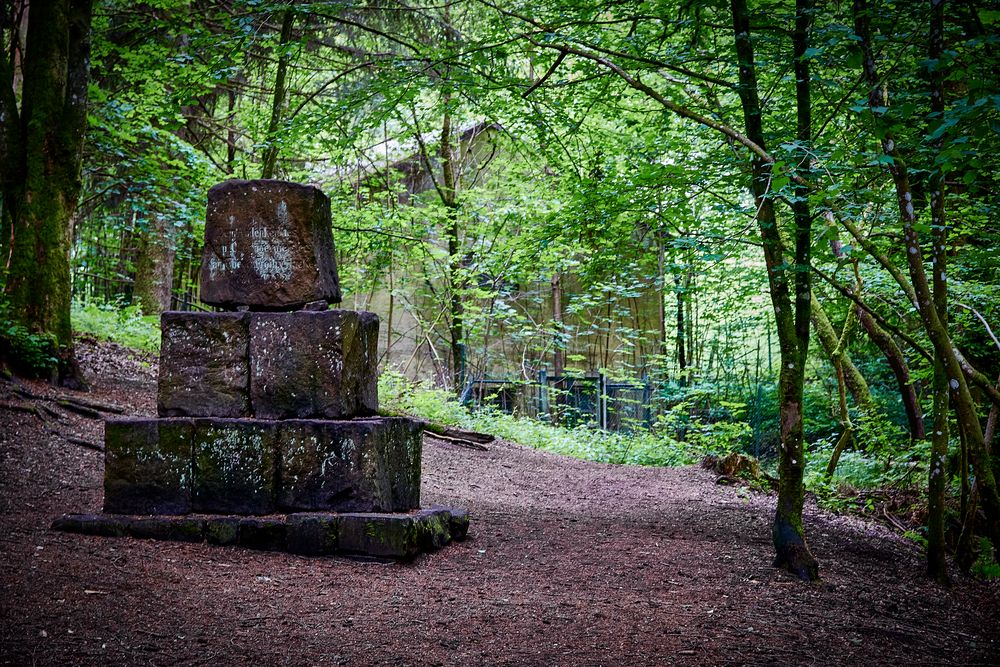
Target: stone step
point(396, 535)
point(254, 466)
point(301, 365)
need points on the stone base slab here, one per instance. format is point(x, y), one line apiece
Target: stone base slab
point(396, 536)
point(257, 467)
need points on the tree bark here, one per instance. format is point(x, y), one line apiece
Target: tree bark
point(937, 567)
point(558, 350)
point(662, 294)
point(449, 197)
point(154, 267)
point(900, 370)
point(937, 331)
point(680, 332)
point(828, 339)
point(792, 321)
point(270, 158)
point(41, 147)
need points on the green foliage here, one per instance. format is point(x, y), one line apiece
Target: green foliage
point(125, 325)
point(917, 536)
point(25, 352)
point(397, 394)
point(986, 565)
point(659, 447)
point(862, 470)
point(718, 437)
point(593, 183)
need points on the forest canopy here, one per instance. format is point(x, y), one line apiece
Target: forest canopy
point(765, 228)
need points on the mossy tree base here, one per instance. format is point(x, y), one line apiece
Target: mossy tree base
point(792, 553)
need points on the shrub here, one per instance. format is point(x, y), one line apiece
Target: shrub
point(125, 325)
point(24, 352)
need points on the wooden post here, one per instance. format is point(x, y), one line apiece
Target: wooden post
point(543, 393)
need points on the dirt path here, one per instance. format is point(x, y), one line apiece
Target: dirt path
point(568, 563)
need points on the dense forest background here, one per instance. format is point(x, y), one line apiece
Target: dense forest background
point(766, 228)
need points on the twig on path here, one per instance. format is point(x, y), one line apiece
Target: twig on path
point(27, 409)
point(461, 442)
point(891, 519)
point(73, 440)
point(81, 410)
point(81, 406)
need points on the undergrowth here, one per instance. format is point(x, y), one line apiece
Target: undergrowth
point(125, 325)
point(987, 565)
point(25, 352)
point(658, 447)
point(877, 468)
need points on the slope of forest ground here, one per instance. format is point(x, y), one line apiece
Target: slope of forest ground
point(568, 563)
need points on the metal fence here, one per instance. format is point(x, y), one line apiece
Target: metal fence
point(570, 400)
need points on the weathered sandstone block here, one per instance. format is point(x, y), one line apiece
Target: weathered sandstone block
point(147, 466)
point(204, 365)
point(313, 534)
point(357, 465)
point(313, 364)
point(235, 466)
point(250, 466)
point(268, 245)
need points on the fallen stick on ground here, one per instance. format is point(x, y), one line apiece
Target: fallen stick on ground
point(457, 441)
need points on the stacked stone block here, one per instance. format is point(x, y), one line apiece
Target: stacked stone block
point(268, 407)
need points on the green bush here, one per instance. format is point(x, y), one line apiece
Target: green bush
point(986, 566)
point(26, 353)
point(125, 325)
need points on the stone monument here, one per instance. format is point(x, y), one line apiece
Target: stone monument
point(268, 434)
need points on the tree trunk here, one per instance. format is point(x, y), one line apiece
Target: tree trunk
point(558, 350)
point(449, 197)
point(792, 321)
point(897, 362)
point(270, 158)
point(662, 294)
point(937, 331)
point(937, 482)
point(41, 150)
point(556, 408)
point(680, 332)
point(829, 340)
point(154, 267)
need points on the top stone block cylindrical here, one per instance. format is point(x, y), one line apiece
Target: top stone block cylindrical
point(268, 245)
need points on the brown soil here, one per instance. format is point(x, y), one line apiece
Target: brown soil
point(568, 563)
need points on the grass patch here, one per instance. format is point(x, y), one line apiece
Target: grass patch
point(125, 325)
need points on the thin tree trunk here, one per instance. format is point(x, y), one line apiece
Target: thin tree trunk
point(900, 370)
point(558, 350)
point(388, 321)
point(270, 158)
point(662, 295)
point(230, 128)
point(448, 192)
point(828, 339)
point(792, 321)
point(937, 482)
point(680, 333)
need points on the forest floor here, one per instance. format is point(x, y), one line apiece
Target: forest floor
point(567, 563)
